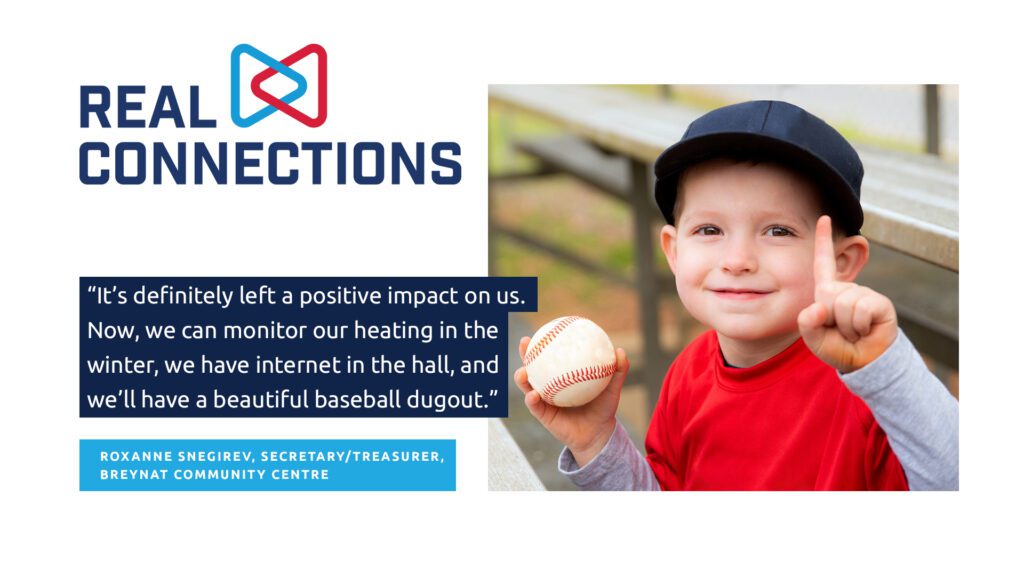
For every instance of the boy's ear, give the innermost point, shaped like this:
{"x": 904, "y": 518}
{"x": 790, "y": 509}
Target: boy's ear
{"x": 668, "y": 245}
{"x": 852, "y": 254}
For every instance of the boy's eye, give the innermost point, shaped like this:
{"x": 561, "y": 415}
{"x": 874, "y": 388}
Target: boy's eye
{"x": 707, "y": 230}
{"x": 779, "y": 231}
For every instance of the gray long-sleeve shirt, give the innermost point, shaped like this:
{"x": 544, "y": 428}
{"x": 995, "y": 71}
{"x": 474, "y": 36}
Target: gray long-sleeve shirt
{"x": 917, "y": 413}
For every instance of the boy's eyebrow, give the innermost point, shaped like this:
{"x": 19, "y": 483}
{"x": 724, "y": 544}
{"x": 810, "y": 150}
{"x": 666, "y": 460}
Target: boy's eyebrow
{"x": 760, "y": 215}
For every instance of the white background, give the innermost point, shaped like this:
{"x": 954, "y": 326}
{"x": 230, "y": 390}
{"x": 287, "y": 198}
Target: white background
{"x": 409, "y": 71}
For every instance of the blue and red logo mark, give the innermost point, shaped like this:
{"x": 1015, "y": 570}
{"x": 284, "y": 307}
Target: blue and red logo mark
{"x": 283, "y": 67}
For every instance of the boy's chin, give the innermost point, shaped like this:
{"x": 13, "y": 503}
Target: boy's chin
{"x": 740, "y": 331}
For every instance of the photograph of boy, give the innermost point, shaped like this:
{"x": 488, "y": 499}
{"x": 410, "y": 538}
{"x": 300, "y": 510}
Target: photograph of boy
{"x": 804, "y": 380}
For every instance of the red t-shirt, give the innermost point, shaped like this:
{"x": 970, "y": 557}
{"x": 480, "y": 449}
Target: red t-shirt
{"x": 788, "y": 423}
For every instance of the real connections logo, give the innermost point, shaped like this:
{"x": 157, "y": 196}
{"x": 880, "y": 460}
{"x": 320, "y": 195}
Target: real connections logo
{"x": 185, "y": 147}
{"x": 283, "y": 67}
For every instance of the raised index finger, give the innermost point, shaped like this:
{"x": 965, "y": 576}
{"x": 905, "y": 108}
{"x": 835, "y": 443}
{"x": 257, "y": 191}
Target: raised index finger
{"x": 824, "y": 252}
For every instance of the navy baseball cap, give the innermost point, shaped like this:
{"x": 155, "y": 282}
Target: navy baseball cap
{"x": 776, "y": 131}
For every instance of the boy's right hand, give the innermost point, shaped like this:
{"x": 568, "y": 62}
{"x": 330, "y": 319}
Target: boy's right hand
{"x": 584, "y": 430}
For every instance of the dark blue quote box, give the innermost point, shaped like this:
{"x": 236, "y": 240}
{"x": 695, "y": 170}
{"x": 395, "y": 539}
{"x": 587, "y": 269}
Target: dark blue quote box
{"x": 141, "y": 380}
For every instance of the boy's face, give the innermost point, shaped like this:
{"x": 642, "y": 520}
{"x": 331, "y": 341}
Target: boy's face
{"x": 742, "y": 250}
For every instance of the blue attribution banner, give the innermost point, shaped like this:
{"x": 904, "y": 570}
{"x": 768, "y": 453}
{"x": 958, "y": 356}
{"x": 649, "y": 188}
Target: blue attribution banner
{"x": 266, "y": 465}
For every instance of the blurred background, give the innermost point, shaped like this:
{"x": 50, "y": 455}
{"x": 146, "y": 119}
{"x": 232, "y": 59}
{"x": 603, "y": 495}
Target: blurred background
{"x": 571, "y": 202}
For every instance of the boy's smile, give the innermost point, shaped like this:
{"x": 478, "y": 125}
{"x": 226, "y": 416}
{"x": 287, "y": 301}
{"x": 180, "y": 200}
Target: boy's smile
{"x": 743, "y": 253}
{"x": 739, "y": 293}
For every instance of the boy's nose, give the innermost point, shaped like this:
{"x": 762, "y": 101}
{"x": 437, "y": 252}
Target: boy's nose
{"x": 739, "y": 257}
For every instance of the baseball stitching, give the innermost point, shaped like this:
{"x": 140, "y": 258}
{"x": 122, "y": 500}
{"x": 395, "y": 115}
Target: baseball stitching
{"x": 561, "y": 382}
{"x": 544, "y": 341}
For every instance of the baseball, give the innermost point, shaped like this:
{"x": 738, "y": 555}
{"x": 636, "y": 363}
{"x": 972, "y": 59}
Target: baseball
{"x": 570, "y": 361}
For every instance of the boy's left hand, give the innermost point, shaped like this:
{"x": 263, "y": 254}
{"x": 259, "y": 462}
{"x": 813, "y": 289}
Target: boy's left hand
{"x": 849, "y": 325}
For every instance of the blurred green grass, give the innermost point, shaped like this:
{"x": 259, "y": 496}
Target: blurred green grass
{"x": 504, "y": 127}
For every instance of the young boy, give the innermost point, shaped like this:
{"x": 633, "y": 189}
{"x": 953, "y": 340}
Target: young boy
{"x": 804, "y": 380}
